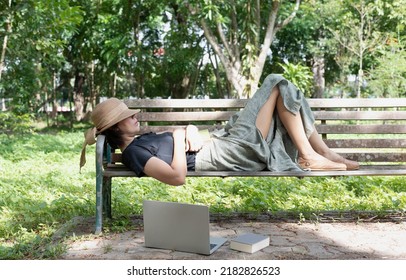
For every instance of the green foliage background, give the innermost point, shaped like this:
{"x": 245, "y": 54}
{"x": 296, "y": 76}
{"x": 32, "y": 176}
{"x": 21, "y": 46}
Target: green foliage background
{"x": 72, "y": 53}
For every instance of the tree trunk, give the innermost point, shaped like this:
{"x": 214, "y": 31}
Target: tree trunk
{"x": 245, "y": 86}
{"x": 4, "y": 48}
{"x": 180, "y": 90}
{"x": 231, "y": 62}
{"x": 78, "y": 96}
{"x": 54, "y": 99}
{"x": 272, "y": 29}
{"x": 215, "y": 65}
{"x": 318, "y": 76}
{"x": 360, "y": 79}
{"x": 92, "y": 86}
{"x": 113, "y": 85}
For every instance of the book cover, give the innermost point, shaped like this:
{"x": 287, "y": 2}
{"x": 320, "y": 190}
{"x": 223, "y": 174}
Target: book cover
{"x": 250, "y": 242}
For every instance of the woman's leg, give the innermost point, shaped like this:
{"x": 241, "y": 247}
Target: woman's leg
{"x": 320, "y": 147}
{"x": 308, "y": 157}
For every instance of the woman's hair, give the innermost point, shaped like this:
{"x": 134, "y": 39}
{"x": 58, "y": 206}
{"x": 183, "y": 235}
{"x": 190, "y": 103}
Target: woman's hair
{"x": 114, "y": 136}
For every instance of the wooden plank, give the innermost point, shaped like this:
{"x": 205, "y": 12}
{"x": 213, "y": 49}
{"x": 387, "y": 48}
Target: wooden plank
{"x": 184, "y": 116}
{"x": 375, "y": 171}
{"x": 366, "y": 143}
{"x": 357, "y": 102}
{"x": 322, "y": 129}
{"x": 185, "y": 103}
{"x": 365, "y": 172}
{"x": 239, "y": 103}
{"x": 362, "y": 157}
{"x": 361, "y": 129}
{"x": 360, "y": 115}
{"x": 364, "y": 166}
{"x": 162, "y": 128}
{"x": 225, "y": 115}
{"x": 375, "y": 157}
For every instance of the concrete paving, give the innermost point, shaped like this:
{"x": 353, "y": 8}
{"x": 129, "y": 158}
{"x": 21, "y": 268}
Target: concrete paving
{"x": 288, "y": 241}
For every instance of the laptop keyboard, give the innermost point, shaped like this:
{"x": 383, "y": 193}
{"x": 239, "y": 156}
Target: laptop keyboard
{"x": 212, "y": 246}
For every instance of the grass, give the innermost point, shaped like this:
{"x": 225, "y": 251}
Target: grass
{"x": 41, "y": 189}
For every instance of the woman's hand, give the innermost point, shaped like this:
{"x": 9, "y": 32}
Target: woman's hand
{"x": 194, "y": 141}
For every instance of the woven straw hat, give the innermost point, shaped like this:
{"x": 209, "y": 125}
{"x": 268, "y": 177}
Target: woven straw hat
{"x": 105, "y": 115}
{"x": 109, "y": 112}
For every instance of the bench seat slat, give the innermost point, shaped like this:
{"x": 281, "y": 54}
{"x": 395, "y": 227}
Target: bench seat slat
{"x": 225, "y": 115}
{"x": 185, "y": 103}
{"x": 361, "y": 157}
{"x": 375, "y": 157}
{"x": 360, "y": 115}
{"x": 357, "y": 102}
{"x": 185, "y": 116}
{"x": 321, "y": 128}
{"x": 366, "y": 143}
{"x": 370, "y": 157}
{"x": 163, "y": 128}
{"x": 240, "y": 103}
{"x": 364, "y": 171}
{"x": 361, "y": 129}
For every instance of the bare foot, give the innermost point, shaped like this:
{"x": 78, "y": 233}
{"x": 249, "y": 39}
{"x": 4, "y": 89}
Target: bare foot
{"x": 351, "y": 165}
{"x": 319, "y": 163}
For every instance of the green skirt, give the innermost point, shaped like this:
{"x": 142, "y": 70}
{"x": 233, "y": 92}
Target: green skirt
{"x": 240, "y": 146}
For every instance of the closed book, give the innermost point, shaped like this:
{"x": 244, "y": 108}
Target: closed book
{"x": 250, "y": 242}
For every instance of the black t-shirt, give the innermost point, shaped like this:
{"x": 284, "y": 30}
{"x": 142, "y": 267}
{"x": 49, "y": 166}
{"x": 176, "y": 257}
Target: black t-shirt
{"x": 148, "y": 145}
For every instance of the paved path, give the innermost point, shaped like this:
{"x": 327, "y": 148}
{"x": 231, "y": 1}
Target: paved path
{"x": 288, "y": 241}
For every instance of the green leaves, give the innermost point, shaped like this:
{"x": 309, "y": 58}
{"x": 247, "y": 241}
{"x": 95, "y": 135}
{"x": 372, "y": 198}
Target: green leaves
{"x": 301, "y": 76}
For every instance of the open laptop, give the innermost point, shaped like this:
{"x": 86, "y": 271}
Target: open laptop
{"x": 179, "y": 226}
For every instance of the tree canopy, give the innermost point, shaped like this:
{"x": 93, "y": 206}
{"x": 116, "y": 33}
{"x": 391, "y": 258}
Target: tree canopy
{"x": 70, "y": 53}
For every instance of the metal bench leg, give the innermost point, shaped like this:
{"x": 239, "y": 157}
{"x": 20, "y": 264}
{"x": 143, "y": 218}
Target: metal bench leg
{"x": 107, "y": 196}
{"x": 99, "y": 204}
{"x": 103, "y": 201}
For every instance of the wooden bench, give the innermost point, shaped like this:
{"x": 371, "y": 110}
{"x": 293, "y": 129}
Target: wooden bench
{"x": 371, "y": 131}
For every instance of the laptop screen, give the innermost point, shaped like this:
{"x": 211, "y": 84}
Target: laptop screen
{"x": 176, "y": 226}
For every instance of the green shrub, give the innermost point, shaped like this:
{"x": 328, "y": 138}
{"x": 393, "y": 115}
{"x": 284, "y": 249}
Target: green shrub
{"x": 15, "y": 123}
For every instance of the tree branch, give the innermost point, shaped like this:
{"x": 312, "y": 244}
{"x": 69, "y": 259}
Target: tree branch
{"x": 234, "y": 34}
{"x": 224, "y": 40}
{"x": 289, "y": 18}
{"x": 258, "y": 21}
{"x": 268, "y": 37}
{"x": 214, "y": 43}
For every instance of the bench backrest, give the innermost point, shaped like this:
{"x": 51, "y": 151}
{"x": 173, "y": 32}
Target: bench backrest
{"x": 366, "y": 130}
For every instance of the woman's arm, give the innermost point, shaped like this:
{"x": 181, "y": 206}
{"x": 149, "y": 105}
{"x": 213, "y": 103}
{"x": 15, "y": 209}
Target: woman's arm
{"x": 175, "y": 173}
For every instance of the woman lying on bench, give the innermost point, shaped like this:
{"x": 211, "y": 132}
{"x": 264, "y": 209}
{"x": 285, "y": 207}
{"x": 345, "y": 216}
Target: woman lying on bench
{"x": 275, "y": 131}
